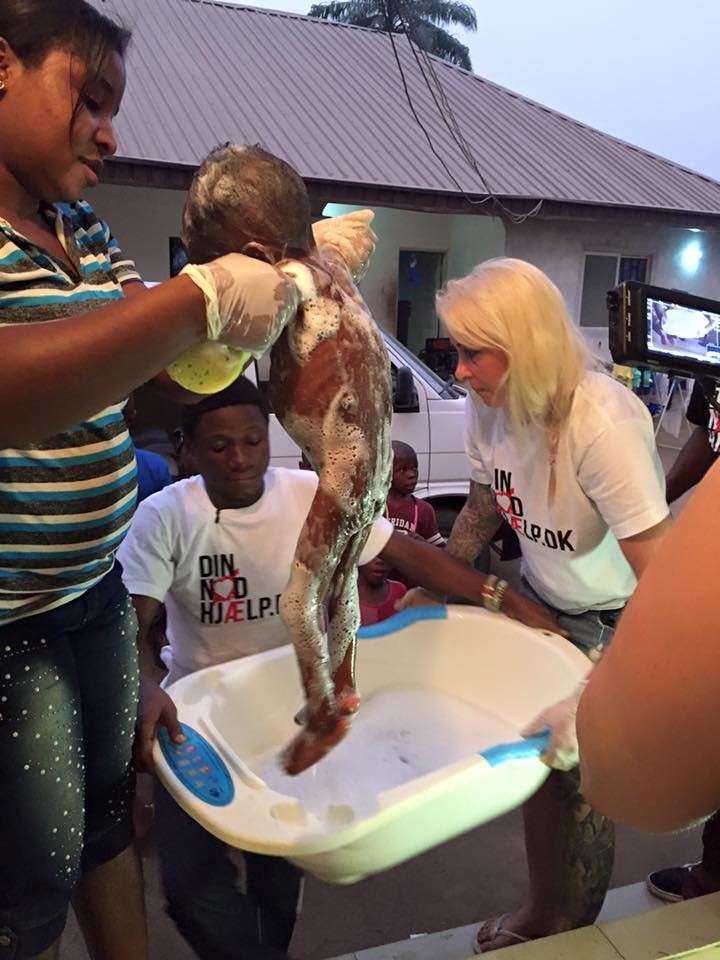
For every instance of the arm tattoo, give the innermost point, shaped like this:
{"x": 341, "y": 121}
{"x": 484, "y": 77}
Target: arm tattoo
{"x": 476, "y": 524}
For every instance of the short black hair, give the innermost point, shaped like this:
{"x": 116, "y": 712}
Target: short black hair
{"x": 403, "y": 450}
{"x": 240, "y": 393}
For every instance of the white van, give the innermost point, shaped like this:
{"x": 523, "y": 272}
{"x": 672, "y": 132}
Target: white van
{"x": 428, "y": 414}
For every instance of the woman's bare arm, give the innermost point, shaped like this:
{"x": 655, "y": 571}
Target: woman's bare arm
{"x": 649, "y": 722}
{"x": 56, "y": 373}
{"x": 640, "y": 549}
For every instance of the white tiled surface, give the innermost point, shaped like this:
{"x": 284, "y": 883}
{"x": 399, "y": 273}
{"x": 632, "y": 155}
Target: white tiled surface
{"x": 447, "y": 945}
{"x": 456, "y": 944}
{"x": 627, "y": 902}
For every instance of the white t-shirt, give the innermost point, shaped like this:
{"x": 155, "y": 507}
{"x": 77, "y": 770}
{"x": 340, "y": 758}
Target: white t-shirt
{"x": 221, "y": 576}
{"x": 609, "y": 486}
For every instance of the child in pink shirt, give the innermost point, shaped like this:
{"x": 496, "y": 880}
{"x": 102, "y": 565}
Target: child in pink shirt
{"x": 378, "y": 595}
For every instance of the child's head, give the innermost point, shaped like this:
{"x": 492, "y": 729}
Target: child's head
{"x": 405, "y": 468}
{"x": 245, "y": 200}
{"x": 374, "y": 573}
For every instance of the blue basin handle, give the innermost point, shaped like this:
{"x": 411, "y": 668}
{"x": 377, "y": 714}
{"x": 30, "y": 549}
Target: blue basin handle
{"x": 528, "y": 749}
{"x": 405, "y": 618}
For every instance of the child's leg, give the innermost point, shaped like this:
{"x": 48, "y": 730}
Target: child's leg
{"x": 321, "y": 541}
{"x": 343, "y": 626}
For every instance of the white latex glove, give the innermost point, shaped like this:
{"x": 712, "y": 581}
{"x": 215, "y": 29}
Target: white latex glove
{"x": 248, "y": 301}
{"x": 562, "y": 752}
{"x": 350, "y": 238}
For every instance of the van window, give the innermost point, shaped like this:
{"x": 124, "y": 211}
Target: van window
{"x": 262, "y": 375}
{"x": 448, "y": 391}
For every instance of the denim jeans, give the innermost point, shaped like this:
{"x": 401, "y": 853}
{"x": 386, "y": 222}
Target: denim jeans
{"x": 68, "y": 703}
{"x": 590, "y": 632}
{"x": 201, "y": 885}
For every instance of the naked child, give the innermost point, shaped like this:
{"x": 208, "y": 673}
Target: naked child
{"x": 330, "y": 388}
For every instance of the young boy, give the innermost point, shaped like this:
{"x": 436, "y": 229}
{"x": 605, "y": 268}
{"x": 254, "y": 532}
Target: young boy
{"x": 407, "y": 513}
{"x": 378, "y": 594}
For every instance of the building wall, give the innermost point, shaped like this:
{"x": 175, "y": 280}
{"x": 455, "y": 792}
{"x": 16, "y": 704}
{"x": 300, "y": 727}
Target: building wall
{"x": 466, "y": 240}
{"x": 143, "y": 220}
{"x": 472, "y": 240}
{"x": 558, "y": 247}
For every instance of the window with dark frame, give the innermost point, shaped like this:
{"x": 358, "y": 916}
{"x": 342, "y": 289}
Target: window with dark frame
{"x": 602, "y": 272}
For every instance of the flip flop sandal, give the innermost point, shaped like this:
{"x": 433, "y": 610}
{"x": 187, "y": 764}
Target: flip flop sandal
{"x": 498, "y": 930}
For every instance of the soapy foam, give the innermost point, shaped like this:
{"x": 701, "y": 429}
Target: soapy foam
{"x": 302, "y": 277}
{"x": 338, "y": 446}
{"x": 401, "y": 732}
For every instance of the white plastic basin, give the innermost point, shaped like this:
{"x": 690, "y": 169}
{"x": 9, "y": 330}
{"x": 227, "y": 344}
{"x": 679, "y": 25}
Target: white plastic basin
{"x": 434, "y": 751}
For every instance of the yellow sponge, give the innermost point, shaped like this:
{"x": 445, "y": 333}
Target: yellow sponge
{"x": 208, "y": 367}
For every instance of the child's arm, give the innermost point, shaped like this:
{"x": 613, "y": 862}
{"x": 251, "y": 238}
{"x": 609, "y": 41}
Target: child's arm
{"x": 348, "y": 238}
{"x": 428, "y": 525}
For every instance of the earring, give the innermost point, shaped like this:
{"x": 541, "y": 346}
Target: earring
{"x": 3, "y": 85}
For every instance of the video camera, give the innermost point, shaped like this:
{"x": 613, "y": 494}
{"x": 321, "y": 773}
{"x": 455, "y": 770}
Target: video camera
{"x": 666, "y": 330}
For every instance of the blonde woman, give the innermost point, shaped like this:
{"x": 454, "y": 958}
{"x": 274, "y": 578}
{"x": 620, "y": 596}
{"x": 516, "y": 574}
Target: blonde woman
{"x": 567, "y": 456}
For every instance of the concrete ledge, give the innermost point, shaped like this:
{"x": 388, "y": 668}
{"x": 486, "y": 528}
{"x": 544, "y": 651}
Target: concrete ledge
{"x": 632, "y": 926}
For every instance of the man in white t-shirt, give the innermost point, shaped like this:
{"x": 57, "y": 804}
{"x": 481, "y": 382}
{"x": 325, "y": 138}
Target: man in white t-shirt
{"x": 217, "y": 549}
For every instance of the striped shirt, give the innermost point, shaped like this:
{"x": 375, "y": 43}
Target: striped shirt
{"x": 66, "y": 502}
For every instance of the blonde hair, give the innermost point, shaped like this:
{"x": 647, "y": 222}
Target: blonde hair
{"x": 511, "y": 306}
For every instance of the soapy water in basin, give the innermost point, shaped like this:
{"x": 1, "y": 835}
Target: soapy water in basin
{"x": 400, "y": 733}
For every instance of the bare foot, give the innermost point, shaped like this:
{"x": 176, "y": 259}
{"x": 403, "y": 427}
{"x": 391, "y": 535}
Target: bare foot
{"x": 310, "y": 745}
{"x": 347, "y": 700}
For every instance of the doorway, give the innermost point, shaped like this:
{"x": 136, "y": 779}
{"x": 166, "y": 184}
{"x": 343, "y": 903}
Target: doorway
{"x": 421, "y": 273}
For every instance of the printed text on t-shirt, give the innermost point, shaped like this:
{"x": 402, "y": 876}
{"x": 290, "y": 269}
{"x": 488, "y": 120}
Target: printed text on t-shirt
{"x": 226, "y": 597}
{"x": 511, "y": 507}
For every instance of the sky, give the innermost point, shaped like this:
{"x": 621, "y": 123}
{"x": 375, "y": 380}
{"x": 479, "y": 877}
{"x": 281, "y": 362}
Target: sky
{"x": 647, "y": 71}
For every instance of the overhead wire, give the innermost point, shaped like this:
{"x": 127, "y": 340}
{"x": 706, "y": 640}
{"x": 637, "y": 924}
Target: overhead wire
{"x": 449, "y": 119}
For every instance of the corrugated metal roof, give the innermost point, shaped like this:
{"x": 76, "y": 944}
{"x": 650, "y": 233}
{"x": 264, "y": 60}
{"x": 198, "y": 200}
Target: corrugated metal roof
{"x": 328, "y": 98}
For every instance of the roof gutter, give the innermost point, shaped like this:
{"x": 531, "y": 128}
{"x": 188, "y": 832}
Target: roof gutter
{"x": 143, "y": 173}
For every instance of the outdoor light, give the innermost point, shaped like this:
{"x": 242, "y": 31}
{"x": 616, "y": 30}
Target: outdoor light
{"x": 690, "y": 256}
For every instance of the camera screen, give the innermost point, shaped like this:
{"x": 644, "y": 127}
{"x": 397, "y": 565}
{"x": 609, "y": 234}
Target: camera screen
{"x": 677, "y": 331}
